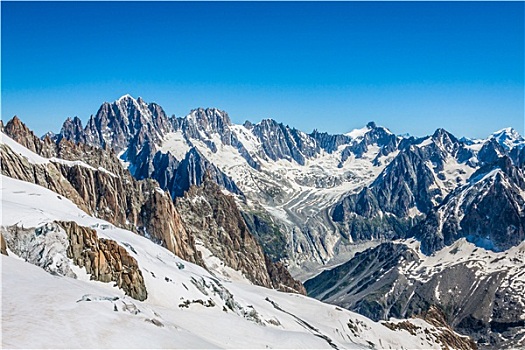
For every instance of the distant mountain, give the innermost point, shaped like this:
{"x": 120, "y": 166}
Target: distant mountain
{"x": 325, "y": 192}
{"x": 508, "y": 138}
{"x": 489, "y": 210}
{"x": 409, "y": 222}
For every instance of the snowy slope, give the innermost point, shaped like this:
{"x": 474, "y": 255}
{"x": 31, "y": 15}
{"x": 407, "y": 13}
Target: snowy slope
{"x": 186, "y": 306}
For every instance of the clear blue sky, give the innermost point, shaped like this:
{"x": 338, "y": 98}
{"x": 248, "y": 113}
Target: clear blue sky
{"x": 334, "y": 66}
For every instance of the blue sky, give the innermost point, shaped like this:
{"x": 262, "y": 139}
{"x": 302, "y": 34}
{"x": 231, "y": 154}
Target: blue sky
{"x": 410, "y": 66}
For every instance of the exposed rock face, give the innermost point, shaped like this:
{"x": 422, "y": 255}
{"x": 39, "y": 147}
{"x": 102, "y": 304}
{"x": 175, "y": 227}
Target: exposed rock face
{"x": 404, "y": 184}
{"x": 117, "y": 123}
{"x": 489, "y": 211}
{"x": 202, "y": 123}
{"x": 19, "y": 132}
{"x": 490, "y": 152}
{"x": 406, "y": 190}
{"x": 192, "y": 170}
{"x": 481, "y": 299}
{"x": 104, "y": 260}
{"x": 355, "y": 278}
{"x": 3, "y": 246}
{"x": 375, "y": 135}
{"x": 329, "y": 142}
{"x": 110, "y": 193}
{"x": 51, "y": 245}
{"x": 436, "y": 317}
{"x": 281, "y": 278}
{"x": 268, "y": 233}
{"x": 72, "y": 130}
{"x": 282, "y": 142}
{"x": 214, "y": 219}
{"x": 446, "y": 336}
{"x": 138, "y": 128}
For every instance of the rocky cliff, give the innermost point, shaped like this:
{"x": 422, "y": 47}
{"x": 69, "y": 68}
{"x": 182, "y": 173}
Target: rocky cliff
{"x": 104, "y": 260}
{"x": 214, "y": 219}
{"x": 113, "y": 195}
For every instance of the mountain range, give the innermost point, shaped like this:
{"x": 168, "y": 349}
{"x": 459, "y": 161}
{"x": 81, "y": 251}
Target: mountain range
{"x": 391, "y": 227}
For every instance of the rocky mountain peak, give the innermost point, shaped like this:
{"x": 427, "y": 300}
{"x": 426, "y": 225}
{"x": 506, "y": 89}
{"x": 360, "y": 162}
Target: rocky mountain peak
{"x": 445, "y": 139}
{"x": 206, "y": 120}
{"x": 214, "y": 219}
{"x": 282, "y": 142}
{"x": 116, "y": 124}
{"x": 72, "y": 130}
{"x": 491, "y": 151}
{"x": 19, "y": 132}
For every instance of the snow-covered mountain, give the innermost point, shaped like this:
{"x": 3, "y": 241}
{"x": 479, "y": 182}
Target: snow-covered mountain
{"x": 55, "y": 295}
{"x": 266, "y": 204}
{"x": 307, "y": 186}
{"x": 283, "y": 176}
{"x": 509, "y": 138}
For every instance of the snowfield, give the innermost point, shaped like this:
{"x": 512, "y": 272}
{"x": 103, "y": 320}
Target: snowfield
{"x": 187, "y": 306}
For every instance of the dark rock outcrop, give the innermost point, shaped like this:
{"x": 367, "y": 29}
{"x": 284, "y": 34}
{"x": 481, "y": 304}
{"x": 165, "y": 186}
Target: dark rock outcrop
{"x": 3, "y": 245}
{"x": 443, "y": 333}
{"x": 19, "y": 132}
{"x": 405, "y": 191}
{"x": 117, "y": 123}
{"x": 282, "y": 142}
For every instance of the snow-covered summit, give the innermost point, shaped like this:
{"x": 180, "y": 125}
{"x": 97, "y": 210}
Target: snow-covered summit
{"x": 359, "y": 133}
{"x": 508, "y": 138}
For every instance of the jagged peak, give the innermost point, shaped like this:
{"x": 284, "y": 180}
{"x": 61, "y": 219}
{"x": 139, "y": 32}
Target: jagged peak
{"x": 248, "y": 125}
{"x": 15, "y": 120}
{"x": 440, "y": 132}
{"x": 16, "y": 124}
{"x": 268, "y": 122}
{"x": 444, "y": 137}
{"x": 74, "y": 120}
{"x": 128, "y": 100}
{"x": 205, "y": 114}
{"x": 502, "y": 165}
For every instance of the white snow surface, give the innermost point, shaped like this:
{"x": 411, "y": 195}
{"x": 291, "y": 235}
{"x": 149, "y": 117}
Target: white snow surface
{"x": 175, "y": 143}
{"x": 508, "y": 138}
{"x": 41, "y": 310}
